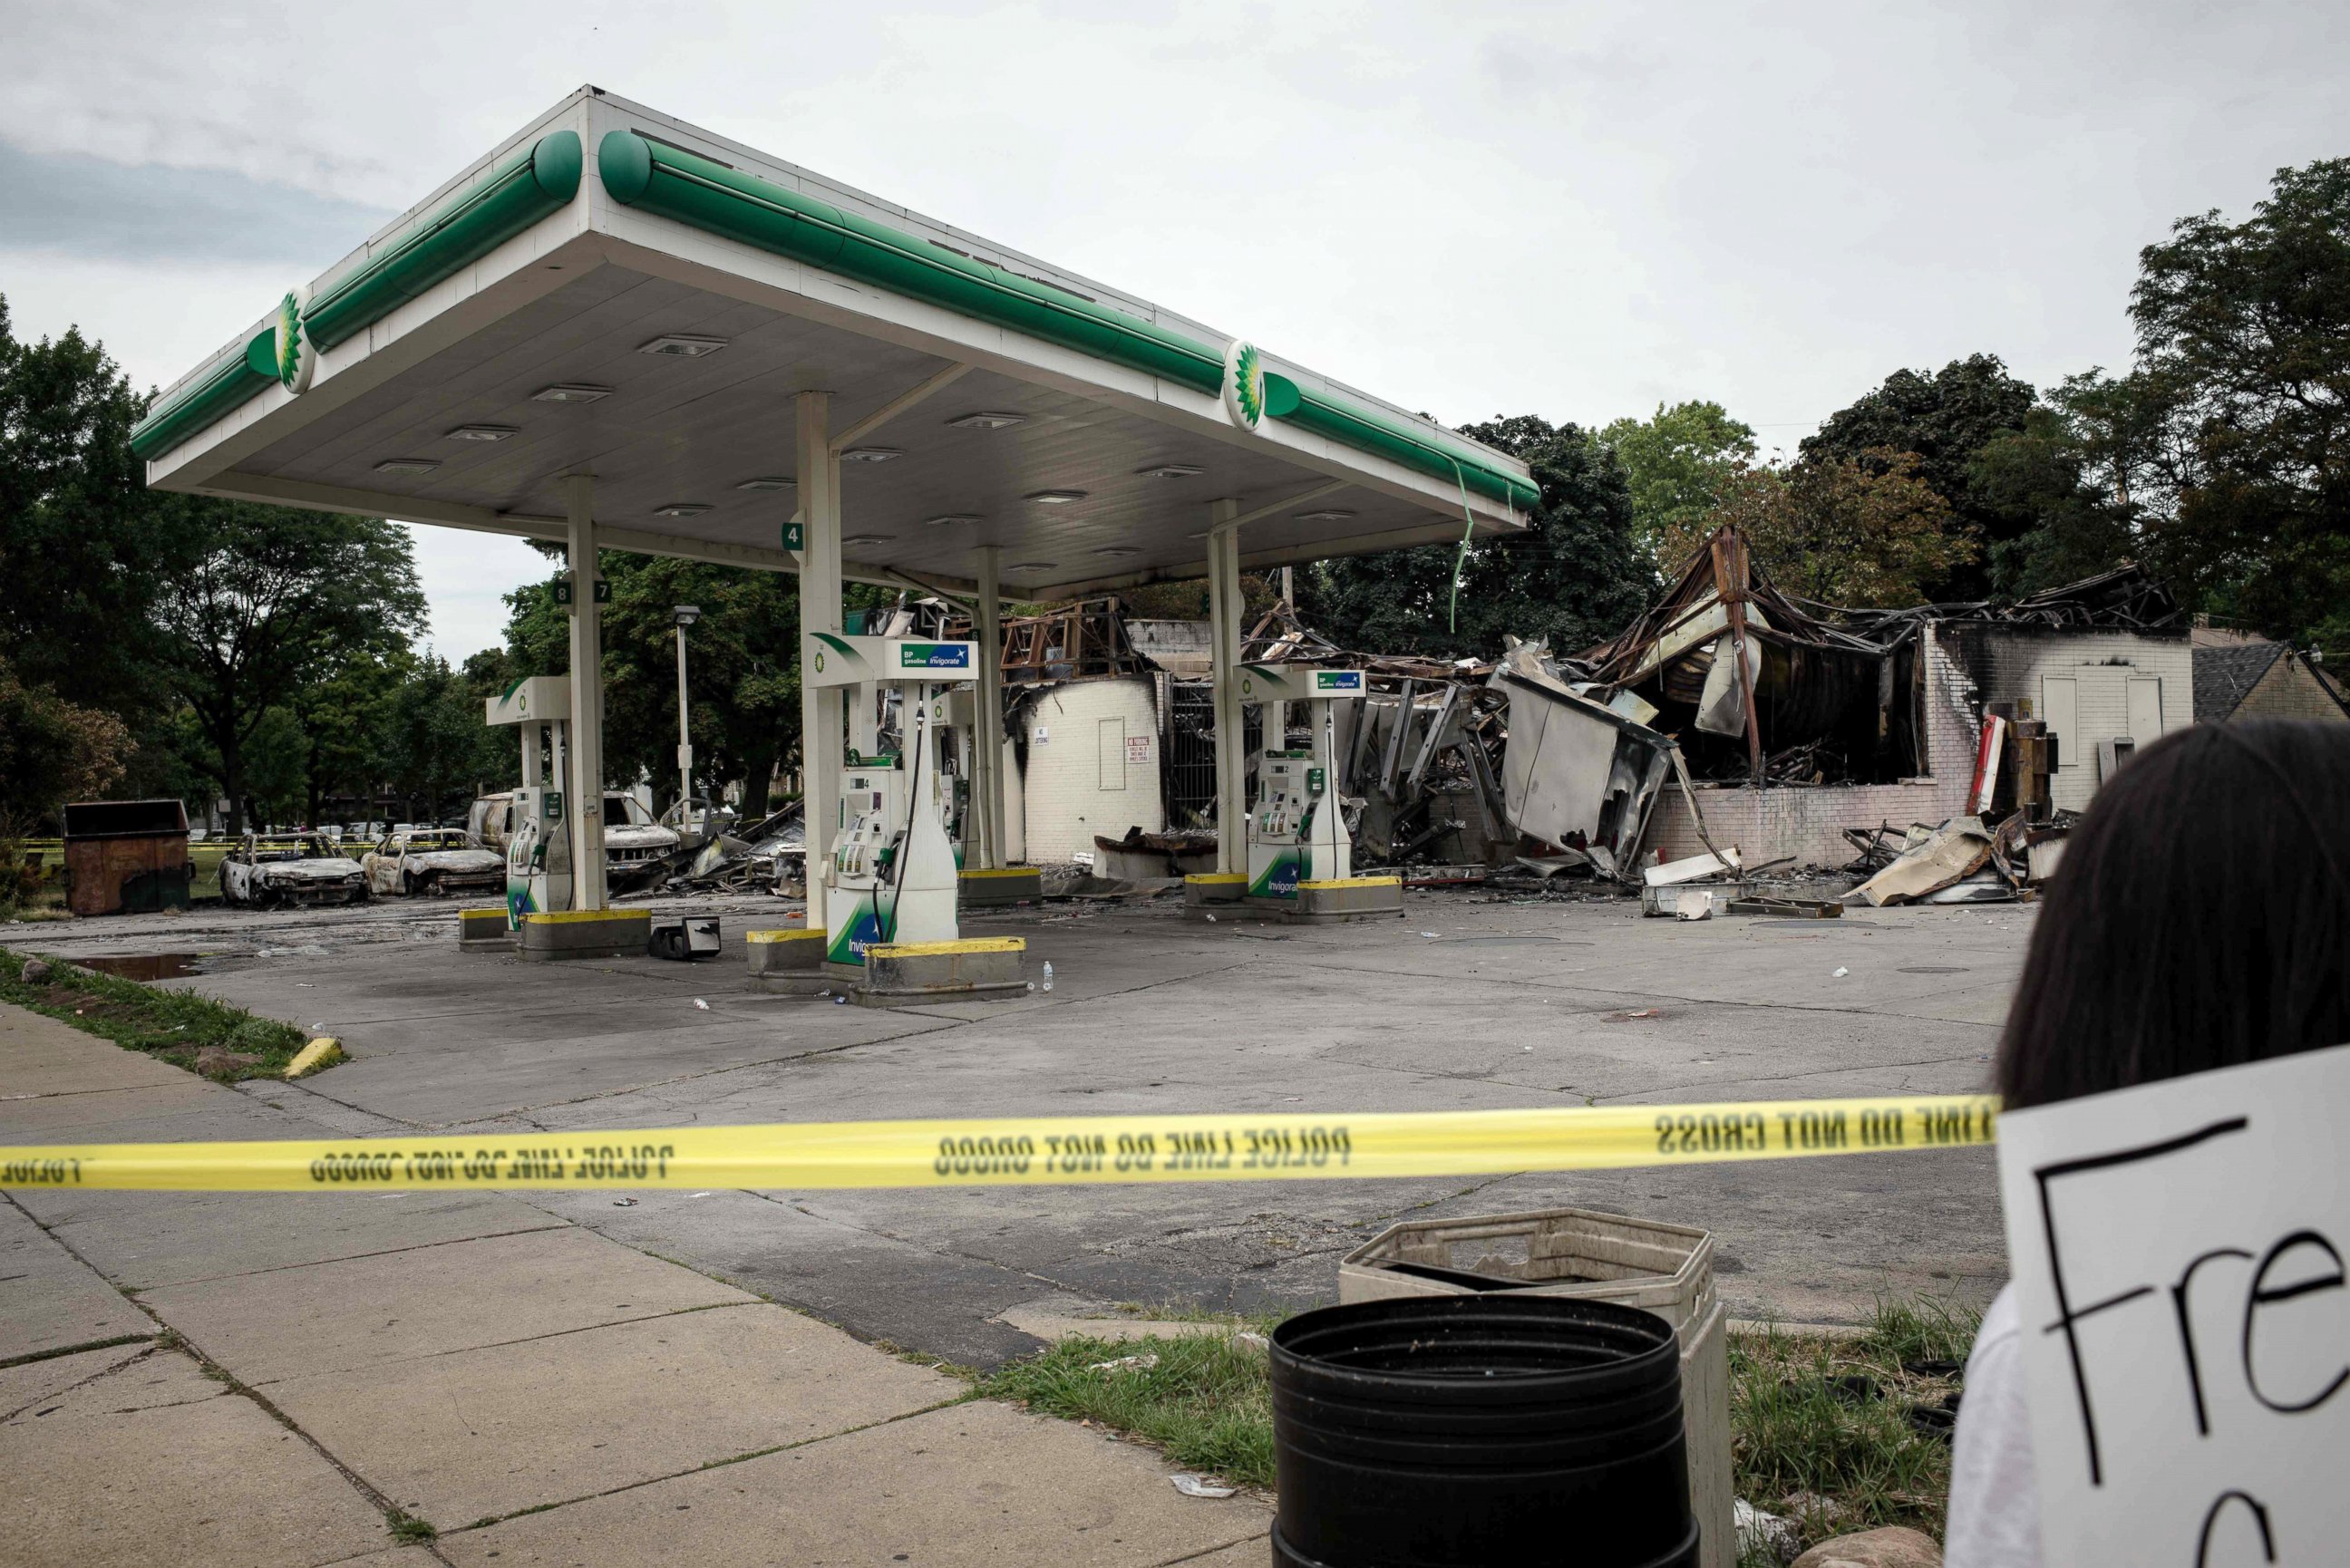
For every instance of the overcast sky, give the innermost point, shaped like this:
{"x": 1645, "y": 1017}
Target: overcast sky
{"x": 1571, "y": 210}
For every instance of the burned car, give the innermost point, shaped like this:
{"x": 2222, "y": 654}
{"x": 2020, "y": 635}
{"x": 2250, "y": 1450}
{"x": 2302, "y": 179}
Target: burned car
{"x": 266, "y": 873}
{"x": 433, "y": 860}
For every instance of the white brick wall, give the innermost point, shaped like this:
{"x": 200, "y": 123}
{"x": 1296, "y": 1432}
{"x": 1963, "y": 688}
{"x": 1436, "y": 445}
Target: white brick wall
{"x": 1071, "y": 790}
{"x": 1807, "y": 822}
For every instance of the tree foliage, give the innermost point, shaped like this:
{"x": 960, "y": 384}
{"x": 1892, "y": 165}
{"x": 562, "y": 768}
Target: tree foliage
{"x": 2243, "y": 380}
{"x": 1678, "y": 463}
{"x": 1862, "y": 531}
{"x": 51, "y": 752}
{"x": 1573, "y": 576}
{"x": 1945, "y": 418}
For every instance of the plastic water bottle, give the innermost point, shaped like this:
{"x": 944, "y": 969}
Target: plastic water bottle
{"x": 1048, "y": 974}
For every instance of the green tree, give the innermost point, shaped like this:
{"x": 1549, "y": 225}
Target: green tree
{"x": 82, "y": 552}
{"x": 1867, "y": 531}
{"x": 2243, "y": 370}
{"x": 436, "y": 730}
{"x": 1677, "y": 463}
{"x": 271, "y": 600}
{"x": 1573, "y": 576}
{"x": 51, "y": 752}
{"x": 1946, "y": 419}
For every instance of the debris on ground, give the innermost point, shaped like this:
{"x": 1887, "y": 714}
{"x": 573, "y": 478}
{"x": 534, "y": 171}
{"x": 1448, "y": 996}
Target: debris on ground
{"x": 35, "y": 971}
{"x": 1125, "y": 1364}
{"x": 218, "y": 1061}
{"x": 1190, "y": 1485}
{"x": 1929, "y": 863}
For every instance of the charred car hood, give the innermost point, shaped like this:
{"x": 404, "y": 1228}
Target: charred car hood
{"x": 458, "y": 860}
{"x": 328, "y": 870}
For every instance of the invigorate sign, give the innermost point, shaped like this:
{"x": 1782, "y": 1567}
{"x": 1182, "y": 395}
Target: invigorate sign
{"x": 2178, "y": 1251}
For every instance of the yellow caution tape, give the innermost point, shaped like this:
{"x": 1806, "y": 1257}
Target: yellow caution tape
{"x": 1026, "y": 1150}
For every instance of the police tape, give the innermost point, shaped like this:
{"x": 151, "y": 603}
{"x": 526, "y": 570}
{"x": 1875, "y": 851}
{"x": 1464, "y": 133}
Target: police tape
{"x": 1029, "y": 1150}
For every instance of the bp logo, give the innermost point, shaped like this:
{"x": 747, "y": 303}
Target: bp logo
{"x": 819, "y": 662}
{"x": 1243, "y": 384}
{"x": 296, "y": 359}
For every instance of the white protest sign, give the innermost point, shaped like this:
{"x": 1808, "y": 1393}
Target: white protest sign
{"x": 2178, "y": 1251}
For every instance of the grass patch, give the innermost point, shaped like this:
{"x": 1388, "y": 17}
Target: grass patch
{"x": 1820, "y": 1427}
{"x": 1207, "y": 1402}
{"x": 171, "y": 1025}
{"x": 408, "y": 1527}
{"x": 1822, "y": 1430}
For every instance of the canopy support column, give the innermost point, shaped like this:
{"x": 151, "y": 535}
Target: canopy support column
{"x": 586, "y": 773}
{"x": 823, "y": 709}
{"x": 987, "y": 748}
{"x": 1231, "y": 730}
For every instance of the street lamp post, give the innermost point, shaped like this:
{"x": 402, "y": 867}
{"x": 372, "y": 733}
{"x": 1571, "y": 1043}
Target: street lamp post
{"x": 686, "y": 615}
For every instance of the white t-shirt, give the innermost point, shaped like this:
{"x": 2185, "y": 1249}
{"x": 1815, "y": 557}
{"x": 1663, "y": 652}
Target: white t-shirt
{"x": 1994, "y": 1519}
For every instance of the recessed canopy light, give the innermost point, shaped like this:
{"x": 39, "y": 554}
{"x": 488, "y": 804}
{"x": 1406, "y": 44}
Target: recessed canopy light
{"x": 941, "y": 521}
{"x": 870, "y": 454}
{"x": 570, "y": 392}
{"x": 1055, "y": 497}
{"x": 677, "y": 345}
{"x": 774, "y": 483}
{"x": 866, "y": 538}
{"x": 480, "y": 432}
{"x": 1201, "y": 534}
{"x": 1172, "y": 471}
{"x": 681, "y": 509}
{"x": 987, "y": 420}
{"x": 1329, "y": 514}
{"x": 1032, "y": 565}
{"x": 1117, "y": 550}
{"x": 408, "y": 466}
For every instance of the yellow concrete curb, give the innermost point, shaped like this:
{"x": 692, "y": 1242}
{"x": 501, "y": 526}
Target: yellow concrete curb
{"x": 968, "y": 945}
{"x": 1218, "y": 876}
{"x": 499, "y": 910}
{"x": 1354, "y": 882}
{"x": 558, "y": 917}
{"x": 1007, "y": 871}
{"x": 813, "y": 933}
{"x": 316, "y": 1057}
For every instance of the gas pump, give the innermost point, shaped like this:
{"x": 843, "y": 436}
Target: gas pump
{"x": 891, "y": 875}
{"x": 539, "y": 855}
{"x": 1298, "y": 833}
{"x": 539, "y": 842}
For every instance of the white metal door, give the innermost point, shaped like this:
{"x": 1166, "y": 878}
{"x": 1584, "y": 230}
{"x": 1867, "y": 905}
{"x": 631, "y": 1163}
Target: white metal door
{"x": 2145, "y": 710}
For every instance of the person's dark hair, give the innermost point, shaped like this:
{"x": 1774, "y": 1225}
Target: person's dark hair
{"x": 2199, "y": 919}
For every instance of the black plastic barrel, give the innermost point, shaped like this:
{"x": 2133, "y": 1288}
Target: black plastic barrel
{"x": 1498, "y": 1430}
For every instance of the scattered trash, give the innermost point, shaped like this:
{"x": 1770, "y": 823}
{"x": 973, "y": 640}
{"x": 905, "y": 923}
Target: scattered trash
{"x": 1212, "y": 920}
{"x": 1126, "y": 1364}
{"x": 1939, "y": 1421}
{"x": 624, "y": 1203}
{"x": 1048, "y": 974}
{"x": 1840, "y": 974}
{"x": 1432, "y": 936}
{"x": 1200, "y": 1485}
{"x": 1797, "y": 909}
{"x": 1694, "y": 906}
{"x": 1690, "y": 869}
{"x": 1643, "y": 1012}
{"x": 35, "y": 971}
{"x": 1248, "y": 1339}
{"x": 1947, "y": 853}
{"x": 702, "y": 1004}
{"x": 843, "y": 1002}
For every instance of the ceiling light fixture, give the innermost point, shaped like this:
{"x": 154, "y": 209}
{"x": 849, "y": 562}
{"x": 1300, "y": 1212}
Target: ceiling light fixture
{"x": 953, "y": 517}
{"x": 1053, "y": 497}
{"x": 866, "y": 538}
{"x": 986, "y": 420}
{"x": 774, "y": 481}
{"x": 681, "y": 509}
{"x": 1329, "y": 514}
{"x": 1172, "y": 471}
{"x": 1117, "y": 550}
{"x": 408, "y": 466}
{"x": 570, "y": 392}
{"x": 1032, "y": 565}
{"x": 680, "y": 345}
{"x": 478, "y": 432}
{"x": 870, "y": 454}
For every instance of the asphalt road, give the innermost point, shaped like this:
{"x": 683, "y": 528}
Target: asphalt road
{"x": 1472, "y": 1001}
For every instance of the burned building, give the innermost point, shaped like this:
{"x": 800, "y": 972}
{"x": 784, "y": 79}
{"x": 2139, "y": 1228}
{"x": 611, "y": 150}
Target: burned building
{"x": 1833, "y": 717}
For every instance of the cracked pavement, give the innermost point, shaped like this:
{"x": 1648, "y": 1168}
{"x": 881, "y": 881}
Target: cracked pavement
{"x": 1471, "y": 1002}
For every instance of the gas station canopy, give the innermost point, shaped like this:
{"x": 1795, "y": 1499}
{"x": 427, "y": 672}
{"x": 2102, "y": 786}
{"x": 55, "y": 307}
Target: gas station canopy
{"x": 616, "y": 293}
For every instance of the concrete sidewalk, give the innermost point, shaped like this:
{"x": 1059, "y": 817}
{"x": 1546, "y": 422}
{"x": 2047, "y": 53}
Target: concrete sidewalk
{"x": 262, "y": 1379}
